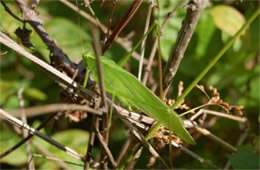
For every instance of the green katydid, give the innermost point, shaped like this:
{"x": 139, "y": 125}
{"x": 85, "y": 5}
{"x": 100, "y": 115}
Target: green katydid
{"x": 127, "y": 88}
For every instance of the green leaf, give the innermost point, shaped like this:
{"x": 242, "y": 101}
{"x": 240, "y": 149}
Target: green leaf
{"x": 70, "y": 37}
{"x": 8, "y": 139}
{"x": 203, "y": 35}
{"x": 7, "y": 89}
{"x": 227, "y": 19}
{"x": 126, "y": 86}
{"x": 73, "y": 138}
{"x": 34, "y": 93}
{"x": 244, "y": 159}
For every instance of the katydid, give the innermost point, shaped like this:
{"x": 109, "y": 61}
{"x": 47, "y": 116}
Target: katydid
{"x": 127, "y": 88}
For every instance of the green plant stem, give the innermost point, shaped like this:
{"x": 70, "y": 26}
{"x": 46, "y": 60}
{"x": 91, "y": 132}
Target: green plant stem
{"x": 127, "y": 56}
{"x": 207, "y": 68}
{"x": 86, "y": 78}
{"x": 111, "y": 110}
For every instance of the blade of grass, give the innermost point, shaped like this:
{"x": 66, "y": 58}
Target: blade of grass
{"x": 127, "y": 56}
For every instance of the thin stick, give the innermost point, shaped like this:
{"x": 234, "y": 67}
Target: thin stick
{"x": 134, "y": 159}
{"x": 195, "y": 108}
{"x": 216, "y": 139}
{"x": 123, "y": 22}
{"x": 48, "y": 155}
{"x": 30, "y": 162}
{"x": 110, "y": 19}
{"x": 160, "y": 64}
{"x": 154, "y": 48}
{"x": 103, "y": 96}
{"x": 198, "y": 158}
{"x": 52, "y": 108}
{"x": 194, "y": 11}
{"x": 105, "y": 146}
{"x": 10, "y": 12}
{"x": 4, "y": 154}
{"x": 225, "y": 115}
{"x": 124, "y": 59}
{"x": 96, "y": 40}
{"x": 59, "y": 161}
{"x": 91, "y": 142}
{"x": 19, "y": 123}
{"x": 148, "y": 18}
{"x": 123, "y": 150}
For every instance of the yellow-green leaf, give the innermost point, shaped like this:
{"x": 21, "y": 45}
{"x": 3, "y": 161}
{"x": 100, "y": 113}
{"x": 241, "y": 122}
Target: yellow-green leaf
{"x": 227, "y": 19}
{"x": 35, "y": 94}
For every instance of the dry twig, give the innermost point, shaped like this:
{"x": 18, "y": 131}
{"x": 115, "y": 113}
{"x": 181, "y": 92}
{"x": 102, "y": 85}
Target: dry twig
{"x": 21, "y": 124}
{"x": 59, "y": 58}
{"x": 194, "y": 10}
{"x": 52, "y": 108}
{"x": 30, "y": 162}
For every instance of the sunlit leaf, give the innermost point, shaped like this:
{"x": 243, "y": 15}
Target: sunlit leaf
{"x": 7, "y": 140}
{"x": 227, "y": 18}
{"x": 70, "y": 37}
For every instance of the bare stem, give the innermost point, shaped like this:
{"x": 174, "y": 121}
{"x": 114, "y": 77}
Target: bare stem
{"x": 121, "y": 41}
{"x": 25, "y": 132}
{"x": 216, "y": 139}
{"x": 148, "y": 18}
{"x": 155, "y": 45}
{"x": 123, "y": 22}
{"x": 194, "y": 10}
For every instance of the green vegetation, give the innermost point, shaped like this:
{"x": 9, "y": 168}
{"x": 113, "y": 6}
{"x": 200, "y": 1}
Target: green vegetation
{"x": 222, "y": 57}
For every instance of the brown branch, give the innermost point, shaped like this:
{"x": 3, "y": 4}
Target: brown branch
{"x": 59, "y": 58}
{"x": 137, "y": 155}
{"x": 124, "y": 150}
{"x": 194, "y": 10}
{"x": 100, "y": 69}
{"x": 123, "y": 42}
{"x": 110, "y": 18}
{"x": 51, "y": 108}
{"x": 10, "y": 12}
{"x": 90, "y": 143}
{"x": 105, "y": 146}
{"x": 123, "y": 22}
